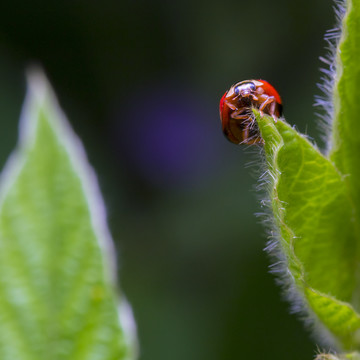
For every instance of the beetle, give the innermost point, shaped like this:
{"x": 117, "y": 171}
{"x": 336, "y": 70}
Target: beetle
{"x": 236, "y": 115}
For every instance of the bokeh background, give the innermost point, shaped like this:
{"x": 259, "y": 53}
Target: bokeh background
{"x": 140, "y": 82}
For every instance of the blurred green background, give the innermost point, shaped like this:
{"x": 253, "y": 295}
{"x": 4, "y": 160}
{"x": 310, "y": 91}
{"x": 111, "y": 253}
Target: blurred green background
{"x": 140, "y": 82}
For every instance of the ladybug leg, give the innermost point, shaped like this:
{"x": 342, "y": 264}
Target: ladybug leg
{"x": 237, "y": 114}
{"x": 239, "y": 117}
{"x": 269, "y": 100}
{"x": 231, "y": 106}
{"x": 272, "y": 111}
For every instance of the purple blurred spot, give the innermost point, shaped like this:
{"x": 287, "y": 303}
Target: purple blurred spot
{"x": 168, "y": 136}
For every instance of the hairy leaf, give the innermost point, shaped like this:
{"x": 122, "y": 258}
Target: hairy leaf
{"x": 314, "y": 214}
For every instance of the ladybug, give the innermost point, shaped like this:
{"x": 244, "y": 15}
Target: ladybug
{"x": 236, "y": 115}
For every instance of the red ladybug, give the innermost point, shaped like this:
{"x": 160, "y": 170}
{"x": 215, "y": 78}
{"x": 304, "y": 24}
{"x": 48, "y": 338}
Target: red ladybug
{"x": 237, "y": 119}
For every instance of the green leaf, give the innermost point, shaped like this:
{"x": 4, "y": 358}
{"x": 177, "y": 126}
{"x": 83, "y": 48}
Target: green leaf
{"x": 314, "y": 214}
{"x": 345, "y": 151}
{"x": 316, "y": 199}
{"x": 59, "y": 296}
